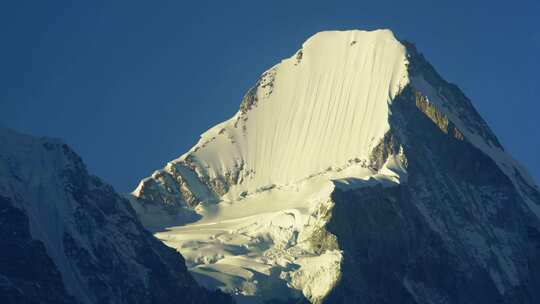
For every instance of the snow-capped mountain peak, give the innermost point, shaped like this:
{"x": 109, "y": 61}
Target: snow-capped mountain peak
{"x": 357, "y": 119}
{"x": 301, "y": 116}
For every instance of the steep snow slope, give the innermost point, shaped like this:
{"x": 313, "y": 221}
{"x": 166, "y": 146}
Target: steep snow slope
{"x": 299, "y": 118}
{"x": 293, "y": 131}
{"x": 69, "y": 238}
{"x": 345, "y": 115}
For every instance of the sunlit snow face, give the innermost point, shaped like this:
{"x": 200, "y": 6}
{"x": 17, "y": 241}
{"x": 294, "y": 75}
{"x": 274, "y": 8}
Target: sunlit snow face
{"x": 308, "y": 125}
{"x": 310, "y": 113}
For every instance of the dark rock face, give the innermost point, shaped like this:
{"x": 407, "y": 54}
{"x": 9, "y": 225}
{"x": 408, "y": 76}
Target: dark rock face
{"x": 27, "y": 273}
{"x": 93, "y": 248}
{"x": 457, "y": 231}
{"x": 456, "y": 99}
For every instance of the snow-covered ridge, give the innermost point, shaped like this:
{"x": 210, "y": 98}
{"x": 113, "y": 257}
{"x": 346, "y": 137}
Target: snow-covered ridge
{"x": 309, "y": 125}
{"x": 457, "y": 109}
{"x": 262, "y": 181}
{"x": 68, "y": 235}
{"x": 32, "y": 165}
{"x": 301, "y": 116}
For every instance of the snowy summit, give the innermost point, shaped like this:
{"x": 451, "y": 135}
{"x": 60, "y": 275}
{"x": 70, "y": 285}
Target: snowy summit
{"x": 353, "y": 117}
{"x": 302, "y": 114}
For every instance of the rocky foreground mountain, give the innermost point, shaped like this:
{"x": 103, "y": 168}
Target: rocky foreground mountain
{"x": 67, "y": 237}
{"x": 352, "y": 173}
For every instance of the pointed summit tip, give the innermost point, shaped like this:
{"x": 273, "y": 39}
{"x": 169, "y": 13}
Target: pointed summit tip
{"x": 352, "y": 36}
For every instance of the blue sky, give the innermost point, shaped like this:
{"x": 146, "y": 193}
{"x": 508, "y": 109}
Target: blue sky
{"x": 132, "y": 84}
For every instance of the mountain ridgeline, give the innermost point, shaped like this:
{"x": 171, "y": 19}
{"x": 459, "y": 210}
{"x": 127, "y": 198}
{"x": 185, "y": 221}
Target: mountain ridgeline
{"x": 67, "y": 237}
{"x": 460, "y": 230}
{"x": 352, "y": 173}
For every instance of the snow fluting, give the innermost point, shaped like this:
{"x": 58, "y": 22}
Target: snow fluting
{"x": 251, "y": 205}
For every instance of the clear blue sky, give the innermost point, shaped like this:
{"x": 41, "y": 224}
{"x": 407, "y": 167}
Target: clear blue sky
{"x": 132, "y": 84}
